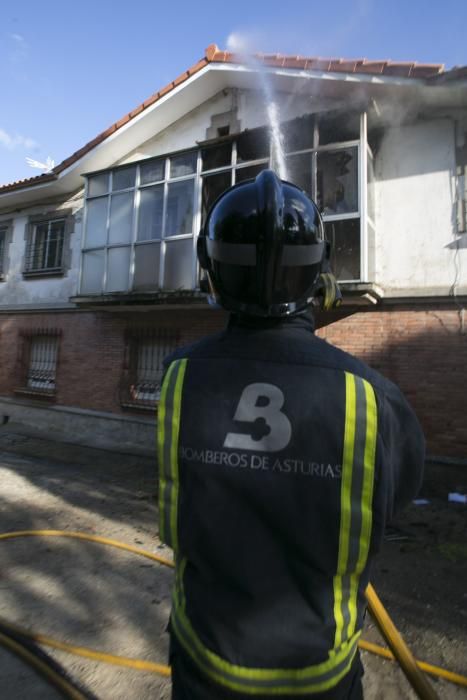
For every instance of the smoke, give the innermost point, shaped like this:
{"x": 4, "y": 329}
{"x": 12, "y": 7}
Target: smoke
{"x": 242, "y": 46}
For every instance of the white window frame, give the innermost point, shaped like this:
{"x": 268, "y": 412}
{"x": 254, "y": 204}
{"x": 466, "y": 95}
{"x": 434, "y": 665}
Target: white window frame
{"x": 362, "y": 148}
{"x": 31, "y": 247}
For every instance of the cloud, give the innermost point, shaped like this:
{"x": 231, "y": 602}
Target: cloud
{"x": 19, "y": 50}
{"x": 13, "y": 141}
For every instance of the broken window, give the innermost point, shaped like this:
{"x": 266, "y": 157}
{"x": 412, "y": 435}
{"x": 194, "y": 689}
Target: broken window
{"x": 337, "y": 181}
{"x": 338, "y": 127}
{"x": 142, "y": 219}
{"x": 344, "y": 237}
{"x": 298, "y": 134}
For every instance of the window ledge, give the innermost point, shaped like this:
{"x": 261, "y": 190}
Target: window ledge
{"x": 155, "y": 298}
{"x": 31, "y": 393}
{"x": 133, "y": 406}
{"x": 56, "y": 272}
{"x": 360, "y": 293}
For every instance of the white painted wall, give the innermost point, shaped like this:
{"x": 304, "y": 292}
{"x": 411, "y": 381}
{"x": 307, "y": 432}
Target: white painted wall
{"x": 251, "y": 112}
{"x": 415, "y": 220}
{"x": 16, "y": 290}
{"x": 415, "y": 194}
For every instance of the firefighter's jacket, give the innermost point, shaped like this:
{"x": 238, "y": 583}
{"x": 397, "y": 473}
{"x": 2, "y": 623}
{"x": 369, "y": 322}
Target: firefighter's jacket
{"x": 281, "y": 459}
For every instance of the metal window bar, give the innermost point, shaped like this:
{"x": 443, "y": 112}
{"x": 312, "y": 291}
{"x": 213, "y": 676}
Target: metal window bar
{"x": 45, "y": 247}
{"x": 148, "y": 349}
{"x": 42, "y": 367}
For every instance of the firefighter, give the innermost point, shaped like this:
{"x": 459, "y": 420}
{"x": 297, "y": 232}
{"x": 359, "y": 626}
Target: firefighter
{"x": 281, "y": 459}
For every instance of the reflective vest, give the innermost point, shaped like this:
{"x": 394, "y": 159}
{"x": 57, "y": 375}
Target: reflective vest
{"x": 267, "y": 465}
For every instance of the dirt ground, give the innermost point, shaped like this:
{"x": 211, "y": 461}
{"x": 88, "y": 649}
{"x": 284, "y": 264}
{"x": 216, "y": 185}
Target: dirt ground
{"x": 100, "y": 597}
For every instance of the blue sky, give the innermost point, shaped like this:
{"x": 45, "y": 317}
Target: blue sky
{"x": 68, "y": 70}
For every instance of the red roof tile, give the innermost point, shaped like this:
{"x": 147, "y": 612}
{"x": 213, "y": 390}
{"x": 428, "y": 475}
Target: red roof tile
{"x": 214, "y": 55}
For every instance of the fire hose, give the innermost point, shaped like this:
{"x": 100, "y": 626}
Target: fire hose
{"x": 13, "y": 636}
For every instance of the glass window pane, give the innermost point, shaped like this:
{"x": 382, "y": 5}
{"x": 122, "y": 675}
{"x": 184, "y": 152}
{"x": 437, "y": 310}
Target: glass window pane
{"x": 147, "y": 258}
{"x": 213, "y": 186}
{"x": 118, "y": 269}
{"x": 55, "y": 244}
{"x": 179, "y": 213}
{"x": 92, "y": 279}
{"x": 121, "y": 217}
{"x": 152, "y": 171}
{"x": 122, "y": 179}
{"x": 183, "y": 165}
{"x": 249, "y": 173}
{"x": 150, "y": 213}
{"x": 344, "y": 237}
{"x": 338, "y": 181}
{"x": 96, "y": 222}
{"x": 98, "y": 184}
{"x": 217, "y": 156}
{"x": 338, "y": 127}
{"x": 299, "y": 171}
{"x": 38, "y": 253}
{"x": 178, "y": 271}
{"x": 253, "y": 145}
{"x": 298, "y": 134}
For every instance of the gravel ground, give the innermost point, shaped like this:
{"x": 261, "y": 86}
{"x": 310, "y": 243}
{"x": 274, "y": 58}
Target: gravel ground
{"x": 91, "y": 595}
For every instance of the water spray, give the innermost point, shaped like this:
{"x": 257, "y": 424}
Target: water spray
{"x": 239, "y": 46}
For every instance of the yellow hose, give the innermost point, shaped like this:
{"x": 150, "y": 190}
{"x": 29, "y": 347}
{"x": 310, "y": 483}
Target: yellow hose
{"x": 375, "y": 606}
{"x": 399, "y": 648}
{"x": 90, "y": 538}
{"x": 94, "y": 654}
{"x": 435, "y": 671}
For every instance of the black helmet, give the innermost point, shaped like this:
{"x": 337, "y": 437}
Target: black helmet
{"x": 263, "y": 248}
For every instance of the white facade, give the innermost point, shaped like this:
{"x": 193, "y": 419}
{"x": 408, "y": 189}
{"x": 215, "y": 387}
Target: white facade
{"x": 415, "y": 247}
{"x": 416, "y": 227}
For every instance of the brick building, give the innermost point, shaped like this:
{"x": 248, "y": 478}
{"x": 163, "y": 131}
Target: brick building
{"x": 98, "y": 273}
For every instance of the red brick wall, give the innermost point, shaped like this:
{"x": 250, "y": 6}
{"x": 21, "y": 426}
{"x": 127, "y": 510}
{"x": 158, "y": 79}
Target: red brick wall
{"x": 421, "y": 347}
{"x": 91, "y": 351}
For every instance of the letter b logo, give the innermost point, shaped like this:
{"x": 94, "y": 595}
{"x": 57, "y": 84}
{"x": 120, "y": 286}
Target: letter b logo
{"x": 265, "y": 417}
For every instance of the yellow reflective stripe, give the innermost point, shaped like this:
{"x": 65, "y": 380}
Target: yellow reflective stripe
{"x": 366, "y": 499}
{"x": 174, "y": 454}
{"x": 168, "y": 436}
{"x": 368, "y": 479}
{"x": 312, "y": 679}
{"x": 358, "y": 465}
{"x": 346, "y": 486}
{"x": 160, "y": 451}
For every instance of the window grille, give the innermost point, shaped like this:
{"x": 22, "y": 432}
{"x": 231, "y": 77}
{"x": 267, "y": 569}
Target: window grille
{"x": 143, "y": 372}
{"x": 44, "y": 251}
{"x": 42, "y": 363}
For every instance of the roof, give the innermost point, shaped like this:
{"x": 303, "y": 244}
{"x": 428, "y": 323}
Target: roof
{"x": 405, "y": 69}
